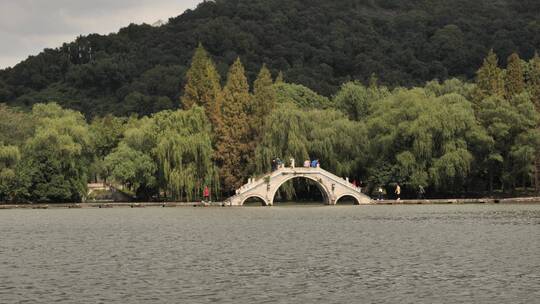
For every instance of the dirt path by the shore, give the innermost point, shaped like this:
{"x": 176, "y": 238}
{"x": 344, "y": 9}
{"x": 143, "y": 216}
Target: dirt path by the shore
{"x": 514, "y": 200}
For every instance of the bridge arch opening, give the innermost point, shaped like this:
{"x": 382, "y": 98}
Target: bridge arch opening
{"x": 253, "y": 201}
{"x": 302, "y": 190}
{"x": 347, "y": 200}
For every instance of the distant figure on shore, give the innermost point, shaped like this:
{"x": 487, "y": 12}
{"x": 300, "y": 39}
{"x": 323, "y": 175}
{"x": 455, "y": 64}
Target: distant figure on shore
{"x": 306, "y": 163}
{"x": 380, "y": 193}
{"x": 421, "y": 192}
{"x": 398, "y": 192}
{"x": 206, "y": 194}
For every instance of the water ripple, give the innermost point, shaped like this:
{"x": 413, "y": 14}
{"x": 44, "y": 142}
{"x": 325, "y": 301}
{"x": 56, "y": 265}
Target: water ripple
{"x": 374, "y": 254}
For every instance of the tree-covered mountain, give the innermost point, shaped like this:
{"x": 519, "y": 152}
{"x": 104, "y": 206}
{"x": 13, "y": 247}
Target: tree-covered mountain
{"x": 317, "y": 43}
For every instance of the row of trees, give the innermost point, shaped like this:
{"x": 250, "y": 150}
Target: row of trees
{"x": 452, "y": 137}
{"x": 319, "y": 44}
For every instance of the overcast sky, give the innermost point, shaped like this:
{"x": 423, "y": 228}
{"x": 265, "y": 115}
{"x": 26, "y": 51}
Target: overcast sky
{"x": 29, "y": 26}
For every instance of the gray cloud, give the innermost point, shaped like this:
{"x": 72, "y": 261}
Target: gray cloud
{"x": 29, "y": 26}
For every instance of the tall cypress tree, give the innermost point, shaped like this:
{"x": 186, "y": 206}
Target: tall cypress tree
{"x": 233, "y": 146}
{"x": 514, "y": 79}
{"x": 203, "y": 86}
{"x": 489, "y": 78}
{"x": 263, "y": 101}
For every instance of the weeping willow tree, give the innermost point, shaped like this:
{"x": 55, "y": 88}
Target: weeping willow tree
{"x": 327, "y": 135}
{"x": 9, "y": 157}
{"x": 184, "y": 152}
{"x": 54, "y": 161}
{"x": 285, "y": 137}
{"x": 300, "y": 95}
{"x": 170, "y": 153}
{"x": 418, "y": 138}
{"x": 450, "y": 86}
{"x": 513, "y": 126}
{"x": 356, "y": 100}
{"x": 134, "y": 169}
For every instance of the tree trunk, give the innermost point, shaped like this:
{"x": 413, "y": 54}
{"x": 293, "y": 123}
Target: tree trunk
{"x": 537, "y": 173}
{"x": 490, "y": 182}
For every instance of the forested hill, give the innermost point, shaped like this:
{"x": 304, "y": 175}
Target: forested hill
{"x": 318, "y": 43}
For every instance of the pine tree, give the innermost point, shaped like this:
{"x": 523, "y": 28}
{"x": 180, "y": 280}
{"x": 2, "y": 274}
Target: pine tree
{"x": 233, "y": 146}
{"x": 490, "y": 79}
{"x": 514, "y": 79}
{"x": 203, "y": 86}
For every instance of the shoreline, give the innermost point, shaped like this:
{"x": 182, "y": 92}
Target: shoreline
{"x": 89, "y": 205}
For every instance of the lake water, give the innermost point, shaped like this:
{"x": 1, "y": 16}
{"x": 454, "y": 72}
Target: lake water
{"x": 350, "y": 254}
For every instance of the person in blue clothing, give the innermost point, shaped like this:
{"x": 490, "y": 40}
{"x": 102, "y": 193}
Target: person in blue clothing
{"x": 314, "y": 163}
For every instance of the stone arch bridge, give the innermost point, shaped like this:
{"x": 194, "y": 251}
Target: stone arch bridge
{"x": 332, "y": 187}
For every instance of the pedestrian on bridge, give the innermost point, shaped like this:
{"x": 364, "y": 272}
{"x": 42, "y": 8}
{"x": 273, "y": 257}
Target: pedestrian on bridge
{"x": 292, "y": 162}
{"x": 306, "y": 163}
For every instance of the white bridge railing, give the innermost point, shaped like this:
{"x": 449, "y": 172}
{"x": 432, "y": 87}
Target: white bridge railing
{"x": 297, "y": 170}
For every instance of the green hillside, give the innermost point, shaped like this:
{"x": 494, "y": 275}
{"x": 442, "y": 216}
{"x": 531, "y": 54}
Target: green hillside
{"x": 316, "y": 43}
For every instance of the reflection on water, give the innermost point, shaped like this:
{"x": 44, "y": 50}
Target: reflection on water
{"x": 294, "y": 254}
